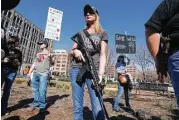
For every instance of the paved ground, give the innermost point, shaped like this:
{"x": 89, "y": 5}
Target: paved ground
{"x": 60, "y": 105}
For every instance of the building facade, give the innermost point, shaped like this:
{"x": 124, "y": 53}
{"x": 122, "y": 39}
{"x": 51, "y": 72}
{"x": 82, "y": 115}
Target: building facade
{"x": 29, "y": 34}
{"x": 111, "y": 74}
{"x": 131, "y": 69}
{"x": 62, "y": 63}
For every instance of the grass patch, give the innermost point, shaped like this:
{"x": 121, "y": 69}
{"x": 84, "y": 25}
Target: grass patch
{"x": 110, "y": 93}
{"x": 63, "y": 86}
{"x": 111, "y": 85}
{"x": 21, "y": 80}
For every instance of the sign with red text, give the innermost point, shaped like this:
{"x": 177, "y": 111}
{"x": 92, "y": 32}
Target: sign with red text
{"x": 53, "y": 25}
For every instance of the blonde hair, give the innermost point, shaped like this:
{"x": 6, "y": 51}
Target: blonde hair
{"x": 97, "y": 26}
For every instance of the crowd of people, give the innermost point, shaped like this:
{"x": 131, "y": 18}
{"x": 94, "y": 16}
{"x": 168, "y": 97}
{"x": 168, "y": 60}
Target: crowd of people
{"x": 95, "y": 39}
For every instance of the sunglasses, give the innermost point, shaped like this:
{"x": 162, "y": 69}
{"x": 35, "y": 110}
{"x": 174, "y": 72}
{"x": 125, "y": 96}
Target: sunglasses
{"x": 89, "y": 12}
{"x": 10, "y": 42}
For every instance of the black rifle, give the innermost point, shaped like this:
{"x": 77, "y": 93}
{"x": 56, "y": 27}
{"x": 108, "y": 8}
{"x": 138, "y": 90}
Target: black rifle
{"x": 90, "y": 67}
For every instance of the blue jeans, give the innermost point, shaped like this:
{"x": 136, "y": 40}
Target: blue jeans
{"x": 77, "y": 95}
{"x": 119, "y": 94}
{"x": 39, "y": 89}
{"x": 126, "y": 94}
{"x": 118, "y": 97}
{"x": 173, "y": 69}
{"x": 7, "y": 78}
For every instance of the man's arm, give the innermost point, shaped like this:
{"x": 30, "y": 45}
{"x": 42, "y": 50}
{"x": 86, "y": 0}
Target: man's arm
{"x": 153, "y": 40}
{"x": 32, "y": 68}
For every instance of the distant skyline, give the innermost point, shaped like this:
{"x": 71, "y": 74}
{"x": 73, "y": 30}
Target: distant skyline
{"x": 116, "y": 17}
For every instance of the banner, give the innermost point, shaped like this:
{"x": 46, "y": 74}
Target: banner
{"x": 125, "y": 44}
{"x": 53, "y": 26}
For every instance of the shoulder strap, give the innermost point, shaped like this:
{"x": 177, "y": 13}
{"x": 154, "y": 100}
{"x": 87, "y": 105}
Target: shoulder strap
{"x": 88, "y": 36}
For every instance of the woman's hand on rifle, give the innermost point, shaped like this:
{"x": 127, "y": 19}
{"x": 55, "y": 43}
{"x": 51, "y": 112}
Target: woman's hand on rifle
{"x": 78, "y": 55}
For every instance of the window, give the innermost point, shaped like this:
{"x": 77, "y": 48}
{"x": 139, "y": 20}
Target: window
{"x": 24, "y": 51}
{"x": 63, "y": 61}
{"x": 57, "y": 68}
{"x": 63, "y": 65}
{"x": 58, "y": 65}
{"x": 18, "y": 20}
{"x": 6, "y": 25}
{"x": 5, "y": 12}
{"x": 29, "y": 28}
{"x": 25, "y": 25}
{"x": 9, "y": 14}
{"x": 14, "y": 19}
{"x": 23, "y": 42}
{"x": 62, "y": 69}
{"x": 26, "y": 43}
{"x": 2, "y": 22}
{"x": 58, "y": 61}
{"x": 18, "y": 30}
{"x": 27, "y": 35}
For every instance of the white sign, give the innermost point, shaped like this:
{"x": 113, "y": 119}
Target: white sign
{"x": 53, "y": 26}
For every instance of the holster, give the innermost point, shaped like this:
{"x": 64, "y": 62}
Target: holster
{"x": 83, "y": 70}
{"x": 162, "y": 56}
{"x": 81, "y": 73}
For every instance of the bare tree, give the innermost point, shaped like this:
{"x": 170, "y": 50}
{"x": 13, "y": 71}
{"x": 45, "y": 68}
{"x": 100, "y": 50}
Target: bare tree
{"x": 110, "y": 60}
{"x": 144, "y": 61}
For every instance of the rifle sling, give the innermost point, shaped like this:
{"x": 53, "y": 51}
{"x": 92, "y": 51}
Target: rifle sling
{"x": 88, "y": 36}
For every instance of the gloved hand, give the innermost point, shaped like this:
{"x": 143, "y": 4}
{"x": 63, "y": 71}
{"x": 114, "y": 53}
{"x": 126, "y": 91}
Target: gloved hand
{"x": 78, "y": 54}
{"x": 101, "y": 78}
{"x": 6, "y": 60}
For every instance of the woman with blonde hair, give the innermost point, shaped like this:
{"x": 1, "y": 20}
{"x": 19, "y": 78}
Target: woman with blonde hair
{"x": 96, "y": 43}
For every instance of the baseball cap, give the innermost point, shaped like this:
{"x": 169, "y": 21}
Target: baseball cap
{"x": 88, "y": 8}
{"x": 42, "y": 42}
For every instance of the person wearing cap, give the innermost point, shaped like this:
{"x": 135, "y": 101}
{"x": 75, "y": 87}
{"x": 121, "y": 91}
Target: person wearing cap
{"x": 9, "y": 67}
{"x": 39, "y": 82}
{"x": 6, "y": 5}
{"x": 124, "y": 84}
{"x": 100, "y": 39}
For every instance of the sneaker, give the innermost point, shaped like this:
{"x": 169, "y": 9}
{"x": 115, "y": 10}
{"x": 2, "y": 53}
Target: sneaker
{"x": 5, "y": 114}
{"x": 42, "y": 110}
{"x": 32, "y": 108}
{"x": 128, "y": 106}
{"x": 118, "y": 110}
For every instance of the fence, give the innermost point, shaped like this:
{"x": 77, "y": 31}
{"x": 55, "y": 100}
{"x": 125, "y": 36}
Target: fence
{"x": 153, "y": 86}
